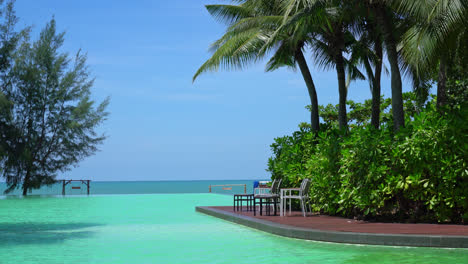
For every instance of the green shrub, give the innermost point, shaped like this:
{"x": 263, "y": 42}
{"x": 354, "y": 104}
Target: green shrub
{"x": 419, "y": 174}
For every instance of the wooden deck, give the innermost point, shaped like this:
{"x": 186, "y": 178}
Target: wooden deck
{"x": 339, "y": 224}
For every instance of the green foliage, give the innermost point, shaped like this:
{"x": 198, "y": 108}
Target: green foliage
{"x": 457, "y": 89}
{"x": 293, "y": 151}
{"x": 47, "y": 117}
{"x": 419, "y": 174}
{"x": 359, "y": 114}
{"x": 10, "y": 40}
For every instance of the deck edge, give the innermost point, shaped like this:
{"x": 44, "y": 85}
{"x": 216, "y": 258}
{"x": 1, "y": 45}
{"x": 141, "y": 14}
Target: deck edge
{"x": 440, "y": 241}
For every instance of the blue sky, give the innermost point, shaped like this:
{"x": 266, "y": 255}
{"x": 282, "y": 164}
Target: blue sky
{"x": 143, "y": 55}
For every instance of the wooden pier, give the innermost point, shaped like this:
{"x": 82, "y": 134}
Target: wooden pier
{"x": 227, "y": 187}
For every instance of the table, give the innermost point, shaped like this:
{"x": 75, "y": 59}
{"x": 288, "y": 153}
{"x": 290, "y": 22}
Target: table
{"x": 240, "y": 198}
{"x": 284, "y": 195}
{"x": 267, "y": 199}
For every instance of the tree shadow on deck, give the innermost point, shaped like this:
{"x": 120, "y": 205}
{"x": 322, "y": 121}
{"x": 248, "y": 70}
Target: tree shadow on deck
{"x": 42, "y": 233}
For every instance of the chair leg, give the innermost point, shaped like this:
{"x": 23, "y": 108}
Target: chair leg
{"x": 285, "y": 206}
{"x": 274, "y": 205}
{"x": 281, "y": 207}
{"x": 261, "y": 206}
{"x": 303, "y": 209}
{"x": 255, "y": 206}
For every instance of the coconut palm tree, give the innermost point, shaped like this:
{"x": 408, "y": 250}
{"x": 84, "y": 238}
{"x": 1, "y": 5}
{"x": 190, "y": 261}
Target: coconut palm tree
{"x": 367, "y": 51}
{"x": 330, "y": 40}
{"x": 248, "y": 39}
{"x": 387, "y": 21}
{"x": 435, "y": 38}
{"x": 368, "y": 54}
{"x": 329, "y": 48}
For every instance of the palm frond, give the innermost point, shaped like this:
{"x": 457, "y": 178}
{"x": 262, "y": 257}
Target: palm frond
{"x": 228, "y": 13}
{"x": 352, "y": 73}
{"x": 263, "y": 22}
{"x": 419, "y": 48}
{"x": 300, "y": 22}
{"x": 322, "y": 55}
{"x": 437, "y": 20}
{"x": 235, "y": 52}
{"x": 282, "y": 57}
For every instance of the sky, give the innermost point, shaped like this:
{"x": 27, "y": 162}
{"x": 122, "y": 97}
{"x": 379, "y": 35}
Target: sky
{"x": 162, "y": 126}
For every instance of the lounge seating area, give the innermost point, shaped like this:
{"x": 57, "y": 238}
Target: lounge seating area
{"x": 274, "y": 198}
{"x": 264, "y": 203}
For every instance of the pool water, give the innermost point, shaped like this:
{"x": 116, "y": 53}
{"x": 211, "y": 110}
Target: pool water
{"x": 164, "y": 228}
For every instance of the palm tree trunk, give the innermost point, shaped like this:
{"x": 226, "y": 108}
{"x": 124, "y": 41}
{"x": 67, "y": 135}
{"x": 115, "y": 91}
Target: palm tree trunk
{"x": 376, "y": 89}
{"x": 340, "y": 71}
{"x": 375, "y": 77}
{"x": 397, "y": 94}
{"x": 392, "y": 54}
{"x": 442, "y": 83}
{"x": 314, "y": 113}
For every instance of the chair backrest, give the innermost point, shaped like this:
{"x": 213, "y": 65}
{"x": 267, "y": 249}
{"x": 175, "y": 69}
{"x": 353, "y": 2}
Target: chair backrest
{"x": 305, "y": 187}
{"x": 275, "y": 186}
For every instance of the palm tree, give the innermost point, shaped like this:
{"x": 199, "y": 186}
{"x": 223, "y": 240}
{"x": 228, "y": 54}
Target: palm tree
{"x": 330, "y": 40}
{"x": 248, "y": 39}
{"x": 329, "y": 48}
{"x": 433, "y": 40}
{"x": 387, "y": 21}
{"x": 367, "y": 51}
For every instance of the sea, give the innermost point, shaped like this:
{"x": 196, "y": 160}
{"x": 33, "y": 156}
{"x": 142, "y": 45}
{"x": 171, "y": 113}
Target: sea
{"x": 140, "y": 187}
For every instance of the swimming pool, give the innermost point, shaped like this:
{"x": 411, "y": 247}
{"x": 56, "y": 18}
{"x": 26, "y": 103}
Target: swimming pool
{"x": 164, "y": 228}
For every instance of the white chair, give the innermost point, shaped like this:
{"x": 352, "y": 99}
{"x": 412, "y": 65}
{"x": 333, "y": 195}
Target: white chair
{"x": 302, "y": 195}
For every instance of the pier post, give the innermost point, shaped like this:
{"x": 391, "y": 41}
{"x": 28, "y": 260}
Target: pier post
{"x": 63, "y": 187}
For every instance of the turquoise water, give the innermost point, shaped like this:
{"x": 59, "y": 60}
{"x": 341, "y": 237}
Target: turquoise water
{"x": 164, "y": 228}
{"x": 140, "y": 187}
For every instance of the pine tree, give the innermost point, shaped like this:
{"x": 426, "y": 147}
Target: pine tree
{"x": 50, "y": 116}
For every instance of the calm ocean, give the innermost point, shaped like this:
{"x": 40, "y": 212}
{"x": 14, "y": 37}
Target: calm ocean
{"x": 140, "y": 187}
